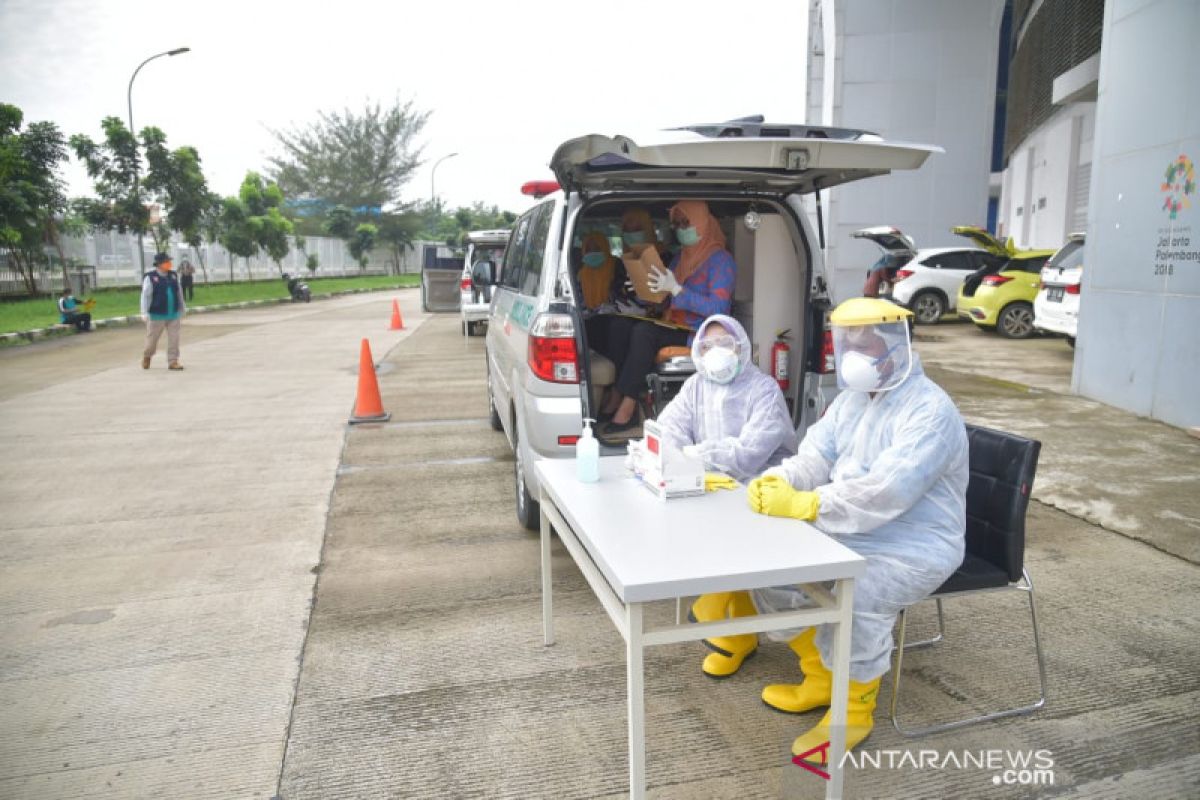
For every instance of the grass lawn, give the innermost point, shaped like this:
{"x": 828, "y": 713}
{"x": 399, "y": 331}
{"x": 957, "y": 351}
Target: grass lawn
{"x": 23, "y": 315}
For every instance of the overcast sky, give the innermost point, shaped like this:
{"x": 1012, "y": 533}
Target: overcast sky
{"x": 506, "y": 82}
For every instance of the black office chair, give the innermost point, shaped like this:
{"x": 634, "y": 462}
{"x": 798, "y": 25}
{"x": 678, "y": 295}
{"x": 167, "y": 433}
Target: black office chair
{"x": 1002, "y": 467}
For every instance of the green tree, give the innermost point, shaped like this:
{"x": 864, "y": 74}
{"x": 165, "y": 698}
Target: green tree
{"x": 112, "y": 166}
{"x": 398, "y": 232}
{"x": 340, "y": 222}
{"x": 262, "y": 201}
{"x": 237, "y": 231}
{"x": 362, "y": 243}
{"x": 174, "y": 178}
{"x": 355, "y": 159}
{"x": 31, "y": 191}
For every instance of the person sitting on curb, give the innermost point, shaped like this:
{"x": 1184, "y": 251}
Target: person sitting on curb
{"x": 162, "y": 307}
{"x": 68, "y": 313}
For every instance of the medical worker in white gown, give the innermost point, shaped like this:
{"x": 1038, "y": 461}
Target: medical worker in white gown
{"x": 885, "y": 473}
{"x": 733, "y": 417}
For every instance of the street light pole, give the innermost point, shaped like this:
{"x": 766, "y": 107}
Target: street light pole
{"x": 137, "y": 156}
{"x": 433, "y": 177}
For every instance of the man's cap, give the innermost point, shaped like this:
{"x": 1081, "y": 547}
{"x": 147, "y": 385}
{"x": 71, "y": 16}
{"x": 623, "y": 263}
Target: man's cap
{"x": 160, "y": 258}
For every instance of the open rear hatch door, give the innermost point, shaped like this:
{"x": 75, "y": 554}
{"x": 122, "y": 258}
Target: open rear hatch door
{"x": 892, "y": 240}
{"x": 808, "y": 160}
{"x": 985, "y": 240}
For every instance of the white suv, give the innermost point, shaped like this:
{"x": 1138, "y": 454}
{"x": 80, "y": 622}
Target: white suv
{"x": 542, "y": 378}
{"x": 1056, "y": 307}
{"x": 483, "y": 248}
{"x": 927, "y": 280}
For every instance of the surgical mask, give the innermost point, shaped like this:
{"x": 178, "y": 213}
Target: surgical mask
{"x": 634, "y": 237}
{"x": 593, "y": 260}
{"x": 721, "y": 364}
{"x": 687, "y": 236}
{"x": 860, "y": 372}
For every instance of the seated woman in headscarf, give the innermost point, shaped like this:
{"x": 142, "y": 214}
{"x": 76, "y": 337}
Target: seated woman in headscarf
{"x": 637, "y": 228}
{"x": 601, "y": 280}
{"x": 700, "y": 282}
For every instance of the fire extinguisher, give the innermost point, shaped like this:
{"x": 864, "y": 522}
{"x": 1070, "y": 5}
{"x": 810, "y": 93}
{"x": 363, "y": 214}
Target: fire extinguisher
{"x": 779, "y": 359}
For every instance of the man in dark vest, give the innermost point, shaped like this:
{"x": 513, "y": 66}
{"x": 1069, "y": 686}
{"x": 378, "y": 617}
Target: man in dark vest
{"x": 162, "y": 307}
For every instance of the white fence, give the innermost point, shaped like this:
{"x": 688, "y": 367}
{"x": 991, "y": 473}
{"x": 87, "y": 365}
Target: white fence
{"x": 114, "y": 257}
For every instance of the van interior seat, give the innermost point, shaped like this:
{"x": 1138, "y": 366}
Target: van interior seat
{"x": 673, "y": 351}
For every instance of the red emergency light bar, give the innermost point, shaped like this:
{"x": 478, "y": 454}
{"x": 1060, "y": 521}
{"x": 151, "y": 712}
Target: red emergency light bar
{"x": 539, "y": 189}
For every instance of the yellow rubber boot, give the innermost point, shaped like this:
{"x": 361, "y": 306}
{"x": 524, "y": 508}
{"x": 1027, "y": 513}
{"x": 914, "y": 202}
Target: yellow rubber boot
{"x": 730, "y": 651}
{"x": 709, "y": 607}
{"x": 817, "y": 688}
{"x": 860, "y": 719}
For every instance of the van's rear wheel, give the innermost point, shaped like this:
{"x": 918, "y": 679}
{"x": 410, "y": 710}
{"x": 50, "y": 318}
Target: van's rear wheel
{"x": 528, "y": 513}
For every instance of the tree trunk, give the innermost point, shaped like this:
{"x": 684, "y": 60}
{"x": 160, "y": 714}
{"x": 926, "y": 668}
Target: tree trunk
{"x": 200, "y": 258}
{"x": 232, "y": 258}
{"x": 52, "y": 232}
{"x": 25, "y": 270}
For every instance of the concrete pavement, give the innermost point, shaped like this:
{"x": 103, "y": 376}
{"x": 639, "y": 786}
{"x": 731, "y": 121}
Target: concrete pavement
{"x": 425, "y": 676}
{"x": 157, "y": 640}
{"x": 161, "y": 532}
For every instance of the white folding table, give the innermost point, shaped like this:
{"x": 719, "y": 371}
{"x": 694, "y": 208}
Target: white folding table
{"x": 635, "y": 549}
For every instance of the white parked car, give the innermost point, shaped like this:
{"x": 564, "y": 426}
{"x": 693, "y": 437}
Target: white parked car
{"x": 926, "y": 281}
{"x": 484, "y": 248}
{"x": 1056, "y": 308}
{"x": 542, "y": 376}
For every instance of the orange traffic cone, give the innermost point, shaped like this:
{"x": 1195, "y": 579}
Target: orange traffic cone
{"x": 369, "y": 405}
{"x": 397, "y": 322}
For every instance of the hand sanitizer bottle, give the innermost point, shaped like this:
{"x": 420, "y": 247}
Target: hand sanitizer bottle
{"x": 587, "y": 455}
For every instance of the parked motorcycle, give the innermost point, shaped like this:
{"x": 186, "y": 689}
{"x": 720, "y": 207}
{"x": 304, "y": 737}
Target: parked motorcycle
{"x": 297, "y": 289}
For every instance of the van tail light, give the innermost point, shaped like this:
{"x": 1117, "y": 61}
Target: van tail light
{"x": 996, "y": 280}
{"x": 465, "y": 285}
{"x": 828, "y": 362}
{"x": 1073, "y": 288}
{"x": 901, "y": 274}
{"x": 552, "y": 353}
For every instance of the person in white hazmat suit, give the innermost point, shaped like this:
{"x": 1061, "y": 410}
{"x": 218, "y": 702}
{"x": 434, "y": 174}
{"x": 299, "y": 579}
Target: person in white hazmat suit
{"x": 885, "y": 473}
{"x": 733, "y": 417}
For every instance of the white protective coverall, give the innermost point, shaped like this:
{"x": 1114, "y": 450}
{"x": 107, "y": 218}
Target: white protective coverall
{"x": 740, "y": 428}
{"x": 891, "y": 472}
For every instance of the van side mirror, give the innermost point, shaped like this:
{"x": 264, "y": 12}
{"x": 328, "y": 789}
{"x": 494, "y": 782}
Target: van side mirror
{"x": 484, "y": 273}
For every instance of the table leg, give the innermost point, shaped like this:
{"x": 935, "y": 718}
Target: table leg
{"x": 635, "y": 686}
{"x": 547, "y": 582}
{"x": 841, "y": 686}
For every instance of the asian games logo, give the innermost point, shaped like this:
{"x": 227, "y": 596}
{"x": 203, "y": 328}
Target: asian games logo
{"x": 1179, "y": 185}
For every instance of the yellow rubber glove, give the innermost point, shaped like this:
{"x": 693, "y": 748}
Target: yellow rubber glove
{"x": 775, "y": 497}
{"x": 714, "y": 481}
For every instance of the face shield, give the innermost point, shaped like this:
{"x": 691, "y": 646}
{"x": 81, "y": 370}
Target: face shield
{"x": 872, "y": 358}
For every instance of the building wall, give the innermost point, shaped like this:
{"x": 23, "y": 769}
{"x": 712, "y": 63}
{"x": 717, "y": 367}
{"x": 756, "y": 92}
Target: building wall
{"x": 909, "y": 70}
{"x": 1138, "y": 346}
{"x": 1045, "y": 185}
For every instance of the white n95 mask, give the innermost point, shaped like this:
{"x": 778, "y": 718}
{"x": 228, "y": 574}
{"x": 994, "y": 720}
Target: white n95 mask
{"x": 721, "y": 364}
{"x": 859, "y": 372}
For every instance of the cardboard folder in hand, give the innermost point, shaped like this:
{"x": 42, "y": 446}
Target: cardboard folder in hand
{"x": 639, "y": 263}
